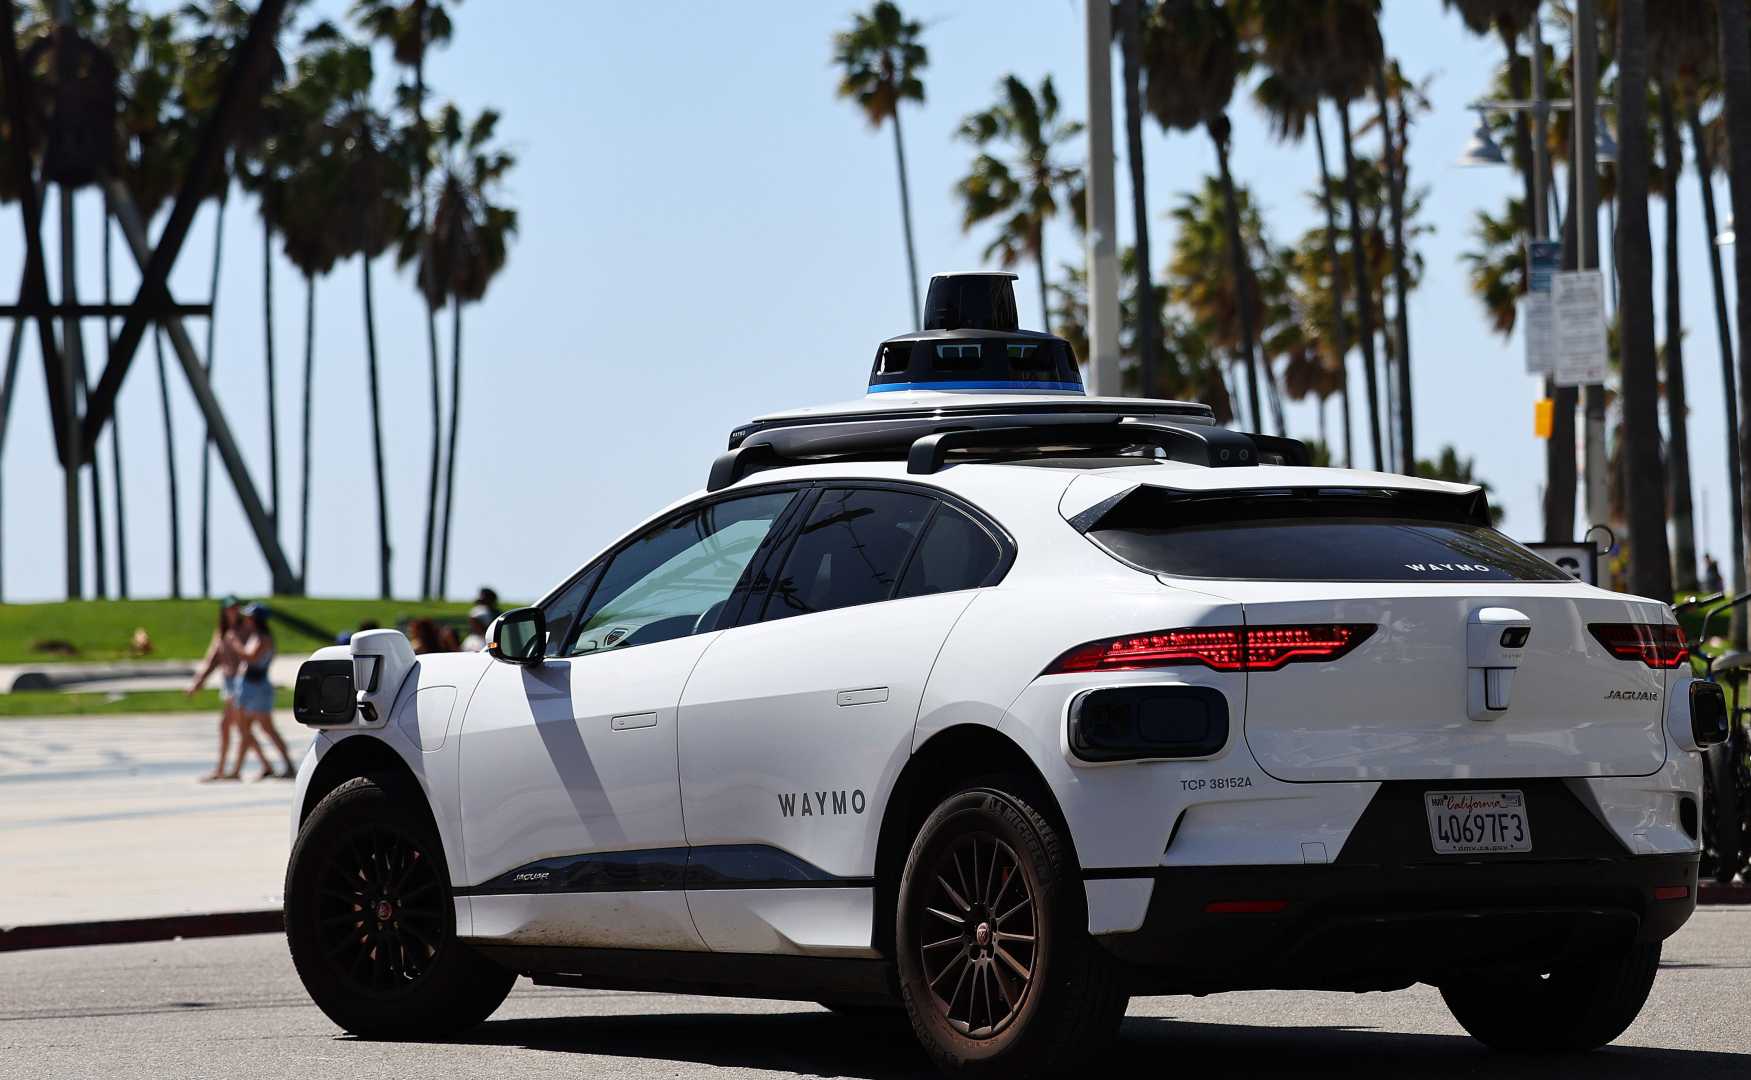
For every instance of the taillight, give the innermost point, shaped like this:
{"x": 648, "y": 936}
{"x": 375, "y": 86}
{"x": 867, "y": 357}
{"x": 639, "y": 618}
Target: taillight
{"x": 1656, "y": 645}
{"x": 1224, "y": 648}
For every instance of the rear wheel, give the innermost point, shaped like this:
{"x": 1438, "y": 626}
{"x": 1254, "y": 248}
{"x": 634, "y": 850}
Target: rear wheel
{"x": 371, "y": 922}
{"x": 1581, "y": 1005}
{"x": 997, "y": 969}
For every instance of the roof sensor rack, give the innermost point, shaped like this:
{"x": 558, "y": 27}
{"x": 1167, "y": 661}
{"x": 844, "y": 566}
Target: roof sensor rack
{"x": 925, "y": 443}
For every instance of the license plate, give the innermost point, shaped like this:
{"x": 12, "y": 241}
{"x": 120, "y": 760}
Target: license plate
{"x": 1478, "y": 822}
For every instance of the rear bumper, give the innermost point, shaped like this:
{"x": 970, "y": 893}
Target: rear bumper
{"x": 1376, "y": 927}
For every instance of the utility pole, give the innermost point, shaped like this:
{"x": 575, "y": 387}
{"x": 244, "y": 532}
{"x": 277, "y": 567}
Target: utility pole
{"x": 1103, "y": 259}
{"x": 1540, "y": 128}
{"x": 1586, "y": 30}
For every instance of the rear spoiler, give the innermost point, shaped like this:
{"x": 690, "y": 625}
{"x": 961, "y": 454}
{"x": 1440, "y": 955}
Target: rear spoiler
{"x": 1468, "y": 507}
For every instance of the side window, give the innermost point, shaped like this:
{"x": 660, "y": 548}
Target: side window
{"x": 955, "y": 554}
{"x": 562, "y": 610}
{"x": 673, "y": 581}
{"x": 851, "y": 551}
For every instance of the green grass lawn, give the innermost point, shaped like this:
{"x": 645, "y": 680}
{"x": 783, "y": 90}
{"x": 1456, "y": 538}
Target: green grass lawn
{"x": 180, "y": 629}
{"x": 145, "y": 701}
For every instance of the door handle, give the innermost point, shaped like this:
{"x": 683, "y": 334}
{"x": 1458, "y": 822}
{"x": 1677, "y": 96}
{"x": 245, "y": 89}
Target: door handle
{"x": 629, "y": 721}
{"x": 870, "y": 695}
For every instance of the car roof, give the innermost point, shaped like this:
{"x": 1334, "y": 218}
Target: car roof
{"x": 1158, "y": 473}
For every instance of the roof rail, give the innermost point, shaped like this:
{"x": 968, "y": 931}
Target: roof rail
{"x": 925, "y": 443}
{"x": 1215, "y": 447}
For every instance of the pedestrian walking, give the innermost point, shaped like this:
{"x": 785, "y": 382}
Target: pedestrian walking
{"x": 255, "y": 692}
{"x": 1711, "y": 575}
{"x": 224, "y": 660}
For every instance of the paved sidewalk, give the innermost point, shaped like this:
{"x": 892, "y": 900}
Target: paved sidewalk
{"x": 104, "y": 818}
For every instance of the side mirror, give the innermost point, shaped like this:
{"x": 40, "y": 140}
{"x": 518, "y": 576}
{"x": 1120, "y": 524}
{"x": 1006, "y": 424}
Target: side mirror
{"x": 518, "y": 637}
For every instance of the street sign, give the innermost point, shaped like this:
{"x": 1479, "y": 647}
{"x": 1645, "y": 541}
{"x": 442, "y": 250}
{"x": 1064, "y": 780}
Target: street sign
{"x": 1578, "y": 297}
{"x": 1538, "y": 326}
{"x": 1537, "y": 318}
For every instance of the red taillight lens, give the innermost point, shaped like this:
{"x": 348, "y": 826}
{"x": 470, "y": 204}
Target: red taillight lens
{"x": 1224, "y": 648}
{"x": 1658, "y": 646}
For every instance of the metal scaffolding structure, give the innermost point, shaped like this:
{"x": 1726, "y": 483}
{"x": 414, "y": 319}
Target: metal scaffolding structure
{"x": 76, "y": 156}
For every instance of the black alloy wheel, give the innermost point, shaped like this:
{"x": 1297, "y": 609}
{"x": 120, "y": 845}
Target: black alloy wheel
{"x": 378, "y": 911}
{"x": 371, "y": 919}
{"x": 985, "y": 935}
{"x": 996, "y": 967}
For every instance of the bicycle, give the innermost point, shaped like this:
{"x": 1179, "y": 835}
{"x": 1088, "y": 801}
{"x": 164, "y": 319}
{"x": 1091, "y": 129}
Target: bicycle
{"x": 1726, "y": 782}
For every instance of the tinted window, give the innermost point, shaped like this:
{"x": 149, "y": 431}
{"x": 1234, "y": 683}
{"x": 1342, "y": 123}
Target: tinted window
{"x": 673, "y": 581}
{"x": 1317, "y": 538}
{"x": 562, "y": 610}
{"x": 955, "y": 554}
{"x": 849, "y": 551}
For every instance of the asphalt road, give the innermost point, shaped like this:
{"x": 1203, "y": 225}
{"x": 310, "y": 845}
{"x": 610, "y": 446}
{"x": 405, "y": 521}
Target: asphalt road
{"x": 233, "y": 1008}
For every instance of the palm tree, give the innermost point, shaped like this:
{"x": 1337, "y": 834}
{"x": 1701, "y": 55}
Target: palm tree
{"x": 1392, "y": 87}
{"x": 1697, "y": 89}
{"x": 1129, "y": 27}
{"x": 1193, "y": 57}
{"x": 1498, "y": 265}
{"x": 366, "y": 215}
{"x": 465, "y": 250}
{"x": 1679, "y": 52}
{"x": 1025, "y": 190}
{"x": 1645, "y": 485}
{"x": 155, "y": 138}
{"x": 297, "y": 202}
{"x": 411, "y": 27}
{"x": 880, "y": 58}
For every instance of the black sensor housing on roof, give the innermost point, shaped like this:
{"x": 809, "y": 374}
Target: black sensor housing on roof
{"x": 972, "y": 340}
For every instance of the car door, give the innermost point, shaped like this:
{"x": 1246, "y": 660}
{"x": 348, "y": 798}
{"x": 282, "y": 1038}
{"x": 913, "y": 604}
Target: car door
{"x": 794, "y": 725}
{"x": 569, "y": 784}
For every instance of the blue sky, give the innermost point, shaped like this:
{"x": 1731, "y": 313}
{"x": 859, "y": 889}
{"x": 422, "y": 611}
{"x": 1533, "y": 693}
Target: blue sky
{"x": 709, "y": 234}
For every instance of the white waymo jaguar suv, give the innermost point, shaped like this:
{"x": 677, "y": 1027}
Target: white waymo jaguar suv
{"x": 998, "y": 704}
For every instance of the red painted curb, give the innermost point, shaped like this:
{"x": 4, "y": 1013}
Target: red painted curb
{"x": 124, "y": 931}
{"x": 1712, "y": 893}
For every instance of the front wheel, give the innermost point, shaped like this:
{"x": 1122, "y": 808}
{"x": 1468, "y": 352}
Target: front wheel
{"x": 371, "y": 922}
{"x": 997, "y": 969}
{"x": 1581, "y": 1005}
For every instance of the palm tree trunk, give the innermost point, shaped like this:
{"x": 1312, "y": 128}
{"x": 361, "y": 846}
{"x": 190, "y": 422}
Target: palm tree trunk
{"x": 1040, "y": 262}
{"x": 1736, "y": 75}
{"x": 267, "y": 299}
{"x": 1677, "y": 408}
{"x": 1724, "y": 331}
{"x": 115, "y": 427}
{"x": 1364, "y": 293}
{"x": 73, "y": 346}
{"x": 1560, "y": 466}
{"x": 1148, "y": 312}
{"x": 376, "y": 434}
{"x": 207, "y": 441}
{"x": 906, "y": 221}
{"x": 427, "y": 576}
{"x": 1650, "y": 561}
{"x": 304, "y": 437}
{"x": 1339, "y": 335}
{"x": 170, "y": 467}
{"x": 450, "y": 454}
{"x": 1242, "y": 272}
{"x": 1397, "y": 160}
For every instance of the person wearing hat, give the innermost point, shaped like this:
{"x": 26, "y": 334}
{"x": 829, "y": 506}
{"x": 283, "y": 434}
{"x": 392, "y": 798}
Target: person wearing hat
{"x": 255, "y": 694}
{"x": 224, "y": 659}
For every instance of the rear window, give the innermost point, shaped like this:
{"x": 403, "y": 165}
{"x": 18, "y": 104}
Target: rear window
{"x": 1387, "y": 536}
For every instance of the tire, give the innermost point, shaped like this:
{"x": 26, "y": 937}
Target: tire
{"x": 1060, "y": 995}
{"x": 1723, "y": 811}
{"x": 371, "y": 922}
{"x": 1580, "y": 1006}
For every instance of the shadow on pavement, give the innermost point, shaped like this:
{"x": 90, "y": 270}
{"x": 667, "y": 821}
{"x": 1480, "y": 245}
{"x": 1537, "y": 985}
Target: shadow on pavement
{"x": 821, "y": 1044}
